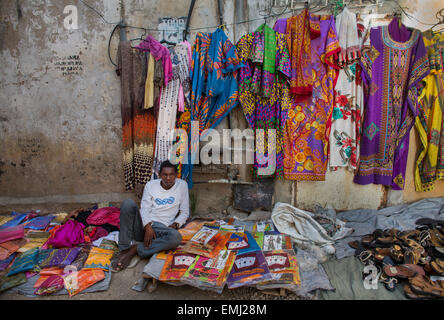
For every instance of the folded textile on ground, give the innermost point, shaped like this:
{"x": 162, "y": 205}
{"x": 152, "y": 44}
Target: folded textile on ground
{"x": 68, "y": 235}
{"x": 12, "y": 233}
{"x": 38, "y": 223}
{"x": 24, "y": 262}
{"x": 107, "y": 215}
{"x": 248, "y": 269}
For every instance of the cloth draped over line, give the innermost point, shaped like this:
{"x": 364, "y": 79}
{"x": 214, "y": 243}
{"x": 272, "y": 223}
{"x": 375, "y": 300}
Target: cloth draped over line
{"x": 265, "y": 109}
{"x": 348, "y": 105}
{"x": 307, "y": 127}
{"x": 214, "y": 89}
{"x": 138, "y": 124}
{"x": 169, "y": 100}
{"x": 429, "y": 122}
{"x": 393, "y": 66}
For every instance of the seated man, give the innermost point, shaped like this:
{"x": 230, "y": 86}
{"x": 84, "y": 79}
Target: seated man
{"x": 164, "y": 209}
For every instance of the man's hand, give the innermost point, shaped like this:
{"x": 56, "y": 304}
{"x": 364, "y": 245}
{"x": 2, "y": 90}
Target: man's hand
{"x": 149, "y": 235}
{"x": 175, "y": 225}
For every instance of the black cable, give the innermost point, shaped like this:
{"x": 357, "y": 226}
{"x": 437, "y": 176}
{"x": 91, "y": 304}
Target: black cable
{"x": 109, "y": 44}
{"x": 101, "y": 15}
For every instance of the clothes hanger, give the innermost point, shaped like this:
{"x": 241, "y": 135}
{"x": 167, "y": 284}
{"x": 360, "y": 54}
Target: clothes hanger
{"x": 166, "y": 41}
{"x": 440, "y": 16}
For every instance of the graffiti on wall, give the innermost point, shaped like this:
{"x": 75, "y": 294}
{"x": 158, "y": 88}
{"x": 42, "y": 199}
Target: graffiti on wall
{"x": 172, "y": 29}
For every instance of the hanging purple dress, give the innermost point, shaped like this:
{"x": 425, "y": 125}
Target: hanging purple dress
{"x": 396, "y": 60}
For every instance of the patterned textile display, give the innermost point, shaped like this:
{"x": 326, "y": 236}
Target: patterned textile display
{"x": 34, "y": 240}
{"x": 248, "y": 269}
{"x": 176, "y": 264}
{"x": 109, "y": 245}
{"x": 18, "y": 218}
{"x": 207, "y": 242}
{"x": 60, "y": 257}
{"x": 8, "y": 282}
{"x": 99, "y": 258}
{"x": 24, "y": 262}
{"x": 276, "y": 241}
{"x": 266, "y": 111}
{"x": 307, "y": 128}
{"x": 349, "y": 97}
{"x": 237, "y": 241}
{"x": 11, "y": 233}
{"x": 168, "y": 104}
{"x": 430, "y": 120}
{"x": 392, "y": 67}
{"x": 4, "y": 219}
{"x": 9, "y": 247}
{"x": 49, "y": 286}
{"x": 138, "y": 124}
{"x": 283, "y": 266}
{"x": 81, "y": 258}
{"x": 47, "y": 273}
{"x": 76, "y": 282}
{"x": 6, "y": 262}
{"x": 259, "y": 238}
{"x": 252, "y": 244}
{"x": 214, "y": 89}
{"x": 262, "y": 226}
{"x": 191, "y": 228}
{"x": 206, "y": 273}
{"x": 41, "y": 257}
{"x": 38, "y": 223}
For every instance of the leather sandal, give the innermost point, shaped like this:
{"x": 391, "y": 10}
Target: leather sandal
{"x": 396, "y": 253}
{"x": 390, "y": 283}
{"x": 424, "y": 286}
{"x": 419, "y": 270}
{"x": 430, "y": 222}
{"x": 400, "y": 271}
{"x": 408, "y": 292}
{"x": 435, "y": 238}
{"x": 438, "y": 266}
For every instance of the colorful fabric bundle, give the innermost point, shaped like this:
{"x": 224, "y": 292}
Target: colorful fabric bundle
{"x": 206, "y": 273}
{"x": 248, "y": 269}
{"x": 176, "y": 264}
{"x": 51, "y": 285}
{"x": 108, "y": 215}
{"x": 6, "y": 262}
{"x": 237, "y": 241}
{"x": 9, "y": 247}
{"x": 38, "y": 223}
{"x": 109, "y": 245}
{"x": 76, "y": 282}
{"x": 68, "y": 235}
{"x": 259, "y": 238}
{"x": 41, "y": 257}
{"x": 4, "y": 219}
{"x": 34, "y": 240}
{"x": 191, "y": 228}
{"x": 18, "y": 218}
{"x": 252, "y": 244}
{"x": 60, "y": 257}
{"x": 7, "y": 282}
{"x": 99, "y": 258}
{"x": 12, "y": 233}
{"x": 24, "y": 262}
{"x": 207, "y": 242}
{"x": 283, "y": 267}
{"x": 276, "y": 241}
{"x": 46, "y": 274}
{"x": 81, "y": 258}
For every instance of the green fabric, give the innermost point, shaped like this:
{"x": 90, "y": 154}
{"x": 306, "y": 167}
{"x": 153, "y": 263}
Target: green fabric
{"x": 345, "y": 276}
{"x": 270, "y": 48}
{"x": 12, "y": 281}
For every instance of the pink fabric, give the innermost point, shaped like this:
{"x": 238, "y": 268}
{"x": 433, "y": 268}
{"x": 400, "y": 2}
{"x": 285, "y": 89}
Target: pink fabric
{"x": 158, "y": 51}
{"x": 68, "y": 235}
{"x": 100, "y": 232}
{"x": 181, "y": 100}
{"x": 12, "y": 233}
{"x": 105, "y": 215}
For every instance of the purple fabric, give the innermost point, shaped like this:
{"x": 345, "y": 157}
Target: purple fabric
{"x": 281, "y": 26}
{"x": 68, "y": 235}
{"x": 61, "y": 257}
{"x": 391, "y": 69}
{"x": 12, "y": 233}
{"x": 39, "y": 223}
{"x": 159, "y": 52}
{"x": 5, "y": 263}
{"x": 110, "y": 215}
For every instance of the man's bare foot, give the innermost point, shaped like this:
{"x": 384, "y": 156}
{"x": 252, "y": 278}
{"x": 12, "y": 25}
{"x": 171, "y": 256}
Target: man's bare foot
{"x": 124, "y": 258}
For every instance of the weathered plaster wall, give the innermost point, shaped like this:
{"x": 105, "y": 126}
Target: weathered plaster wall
{"x": 60, "y": 135}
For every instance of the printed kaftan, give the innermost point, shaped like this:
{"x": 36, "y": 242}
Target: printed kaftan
{"x": 307, "y": 127}
{"x": 429, "y": 122}
{"x": 268, "y": 108}
{"x": 393, "y": 66}
{"x": 348, "y": 104}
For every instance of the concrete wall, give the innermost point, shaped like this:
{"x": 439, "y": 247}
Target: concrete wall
{"x": 60, "y": 130}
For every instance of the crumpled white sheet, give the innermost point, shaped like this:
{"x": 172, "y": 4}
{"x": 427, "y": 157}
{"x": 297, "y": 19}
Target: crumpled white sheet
{"x": 305, "y": 231}
{"x": 113, "y": 236}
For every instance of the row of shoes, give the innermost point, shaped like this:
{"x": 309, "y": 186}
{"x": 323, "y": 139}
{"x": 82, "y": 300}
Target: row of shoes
{"x": 413, "y": 257}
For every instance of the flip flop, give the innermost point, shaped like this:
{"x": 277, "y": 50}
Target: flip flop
{"x": 134, "y": 261}
{"x": 408, "y": 292}
{"x": 415, "y": 267}
{"x": 438, "y": 266}
{"x": 400, "y": 271}
{"x": 424, "y": 286}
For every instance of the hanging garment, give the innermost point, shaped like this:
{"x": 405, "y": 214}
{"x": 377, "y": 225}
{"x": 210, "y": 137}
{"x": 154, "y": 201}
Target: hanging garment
{"x": 349, "y": 99}
{"x": 301, "y": 30}
{"x": 138, "y": 124}
{"x": 214, "y": 89}
{"x": 307, "y": 128}
{"x": 68, "y": 235}
{"x": 149, "y": 83}
{"x": 395, "y": 63}
{"x": 169, "y": 104}
{"x": 264, "y": 96}
{"x": 430, "y": 120}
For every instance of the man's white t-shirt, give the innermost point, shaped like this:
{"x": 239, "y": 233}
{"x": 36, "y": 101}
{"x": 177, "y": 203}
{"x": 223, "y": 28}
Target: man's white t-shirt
{"x": 160, "y": 205}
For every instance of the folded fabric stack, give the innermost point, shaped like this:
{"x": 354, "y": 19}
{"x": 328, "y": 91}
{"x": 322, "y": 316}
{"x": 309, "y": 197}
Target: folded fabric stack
{"x": 414, "y": 258}
{"x": 57, "y": 250}
{"x": 214, "y": 254}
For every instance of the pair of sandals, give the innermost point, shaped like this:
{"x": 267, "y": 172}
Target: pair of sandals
{"x": 421, "y": 288}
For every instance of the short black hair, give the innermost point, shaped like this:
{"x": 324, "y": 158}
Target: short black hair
{"x": 167, "y": 164}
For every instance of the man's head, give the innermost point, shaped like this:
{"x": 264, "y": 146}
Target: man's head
{"x": 168, "y": 174}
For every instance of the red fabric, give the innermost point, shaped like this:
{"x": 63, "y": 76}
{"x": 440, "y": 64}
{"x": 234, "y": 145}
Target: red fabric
{"x": 12, "y": 233}
{"x": 110, "y": 215}
{"x": 100, "y": 232}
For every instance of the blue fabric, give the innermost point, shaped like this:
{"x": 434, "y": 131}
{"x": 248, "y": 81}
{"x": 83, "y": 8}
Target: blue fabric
{"x": 5, "y": 263}
{"x": 253, "y": 246}
{"x": 38, "y": 223}
{"x": 24, "y": 262}
{"x": 14, "y": 222}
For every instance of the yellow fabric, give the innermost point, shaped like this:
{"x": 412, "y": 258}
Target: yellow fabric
{"x": 428, "y": 124}
{"x": 149, "y": 84}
